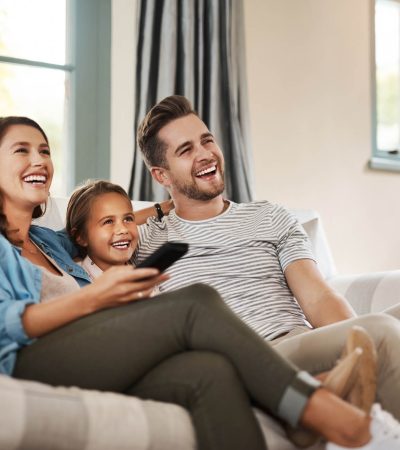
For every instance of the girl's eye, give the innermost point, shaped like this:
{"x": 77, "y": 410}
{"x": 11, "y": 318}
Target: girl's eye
{"x": 107, "y": 222}
{"x": 129, "y": 219}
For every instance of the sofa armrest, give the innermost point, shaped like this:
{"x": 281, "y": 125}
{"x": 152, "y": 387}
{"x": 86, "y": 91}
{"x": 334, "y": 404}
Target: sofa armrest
{"x": 369, "y": 292}
{"x": 38, "y": 416}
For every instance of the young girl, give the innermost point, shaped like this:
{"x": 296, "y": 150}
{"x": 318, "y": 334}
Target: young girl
{"x": 184, "y": 347}
{"x": 101, "y": 223}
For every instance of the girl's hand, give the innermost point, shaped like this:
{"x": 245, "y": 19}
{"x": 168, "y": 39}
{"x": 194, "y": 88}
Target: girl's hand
{"x": 122, "y": 284}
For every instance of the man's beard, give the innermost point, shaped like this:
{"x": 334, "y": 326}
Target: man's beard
{"x": 191, "y": 190}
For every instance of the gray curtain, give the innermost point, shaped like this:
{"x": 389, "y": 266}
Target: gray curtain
{"x": 195, "y": 48}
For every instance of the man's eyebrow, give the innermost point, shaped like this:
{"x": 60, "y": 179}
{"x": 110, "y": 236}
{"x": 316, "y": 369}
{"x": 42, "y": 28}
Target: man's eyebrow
{"x": 184, "y": 144}
{"x": 181, "y": 146}
{"x": 206, "y": 135}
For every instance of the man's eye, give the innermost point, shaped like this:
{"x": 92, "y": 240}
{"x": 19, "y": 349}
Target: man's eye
{"x": 208, "y": 140}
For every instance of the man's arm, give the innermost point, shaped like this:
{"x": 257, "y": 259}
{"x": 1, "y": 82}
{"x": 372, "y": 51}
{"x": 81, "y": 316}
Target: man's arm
{"x": 319, "y": 302}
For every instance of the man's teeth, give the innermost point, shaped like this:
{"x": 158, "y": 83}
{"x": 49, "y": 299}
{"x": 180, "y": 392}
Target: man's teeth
{"x": 35, "y": 179}
{"x": 205, "y": 171}
{"x": 121, "y": 244}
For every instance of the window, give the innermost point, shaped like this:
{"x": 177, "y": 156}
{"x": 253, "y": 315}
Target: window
{"x": 33, "y": 71}
{"x": 55, "y": 68}
{"x": 387, "y": 85}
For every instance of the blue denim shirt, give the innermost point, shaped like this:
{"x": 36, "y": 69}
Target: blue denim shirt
{"x": 21, "y": 284}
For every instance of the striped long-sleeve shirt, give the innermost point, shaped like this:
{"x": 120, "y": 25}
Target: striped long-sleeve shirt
{"x": 242, "y": 253}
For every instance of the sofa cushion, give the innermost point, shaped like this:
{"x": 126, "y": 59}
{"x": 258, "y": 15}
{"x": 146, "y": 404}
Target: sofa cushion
{"x": 35, "y": 416}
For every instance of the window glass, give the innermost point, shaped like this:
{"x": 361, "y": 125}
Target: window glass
{"x": 39, "y": 94}
{"x": 387, "y": 58}
{"x": 33, "y": 29}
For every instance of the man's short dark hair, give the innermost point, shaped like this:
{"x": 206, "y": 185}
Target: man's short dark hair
{"x": 164, "y": 112}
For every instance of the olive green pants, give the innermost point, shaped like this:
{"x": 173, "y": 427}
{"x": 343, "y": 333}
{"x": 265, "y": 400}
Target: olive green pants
{"x": 184, "y": 347}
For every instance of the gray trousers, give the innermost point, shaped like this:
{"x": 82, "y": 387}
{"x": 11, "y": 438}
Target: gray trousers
{"x": 318, "y": 350}
{"x": 184, "y": 347}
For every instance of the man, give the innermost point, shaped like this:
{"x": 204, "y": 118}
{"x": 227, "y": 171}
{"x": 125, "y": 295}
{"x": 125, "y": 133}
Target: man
{"x": 256, "y": 255}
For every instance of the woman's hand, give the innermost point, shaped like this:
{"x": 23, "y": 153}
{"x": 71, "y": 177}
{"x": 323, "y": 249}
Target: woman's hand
{"x": 116, "y": 286}
{"x": 122, "y": 284}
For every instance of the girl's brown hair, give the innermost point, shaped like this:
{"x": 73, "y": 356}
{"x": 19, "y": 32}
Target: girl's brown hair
{"x": 80, "y": 204}
{"x": 5, "y": 124}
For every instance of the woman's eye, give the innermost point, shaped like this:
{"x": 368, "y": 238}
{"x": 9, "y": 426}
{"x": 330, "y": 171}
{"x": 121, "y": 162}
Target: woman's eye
{"x": 21, "y": 150}
{"x": 46, "y": 151}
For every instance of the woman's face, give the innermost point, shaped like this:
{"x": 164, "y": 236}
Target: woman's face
{"x": 26, "y": 169}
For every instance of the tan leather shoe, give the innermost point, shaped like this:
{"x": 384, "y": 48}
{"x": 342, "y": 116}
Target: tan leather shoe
{"x": 353, "y": 378}
{"x": 363, "y": 392}
{"x": 341, "y": 380}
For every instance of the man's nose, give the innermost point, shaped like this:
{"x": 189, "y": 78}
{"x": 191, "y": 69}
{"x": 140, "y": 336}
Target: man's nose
{"x": 202, "y": 152}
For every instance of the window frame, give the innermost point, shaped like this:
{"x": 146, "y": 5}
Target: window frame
{"x": 380, "y": 160}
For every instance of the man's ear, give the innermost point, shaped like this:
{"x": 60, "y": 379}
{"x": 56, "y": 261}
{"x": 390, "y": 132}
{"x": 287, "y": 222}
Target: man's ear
{"x": 161, "y": 176}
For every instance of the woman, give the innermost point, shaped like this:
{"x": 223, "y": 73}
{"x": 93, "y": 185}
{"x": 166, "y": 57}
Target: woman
{"x": 184, "y": 347}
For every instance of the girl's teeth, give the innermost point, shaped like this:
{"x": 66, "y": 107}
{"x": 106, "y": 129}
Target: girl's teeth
{"x": 121, "y": 244}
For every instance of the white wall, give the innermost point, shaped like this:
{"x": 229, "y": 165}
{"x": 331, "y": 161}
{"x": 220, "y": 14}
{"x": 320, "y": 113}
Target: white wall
{"x": 123, "y": 54}
{"x": 310, "y": 104}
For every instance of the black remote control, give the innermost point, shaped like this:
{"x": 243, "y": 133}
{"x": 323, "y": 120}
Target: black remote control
{"x": 165, "y": 256}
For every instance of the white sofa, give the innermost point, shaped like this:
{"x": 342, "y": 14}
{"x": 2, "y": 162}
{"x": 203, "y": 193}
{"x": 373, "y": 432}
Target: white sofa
{"x": 35, "y": 416}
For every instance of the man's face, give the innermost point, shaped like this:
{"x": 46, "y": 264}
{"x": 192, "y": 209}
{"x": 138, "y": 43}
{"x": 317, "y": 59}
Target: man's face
{"x": 195, "y": 162}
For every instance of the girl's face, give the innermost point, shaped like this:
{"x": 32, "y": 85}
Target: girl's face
{"x": 26, "y": 168}
{"x": 111, "y": 232}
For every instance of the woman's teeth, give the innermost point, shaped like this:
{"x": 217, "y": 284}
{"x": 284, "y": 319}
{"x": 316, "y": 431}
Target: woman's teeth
{"x": 35, "y": 179}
